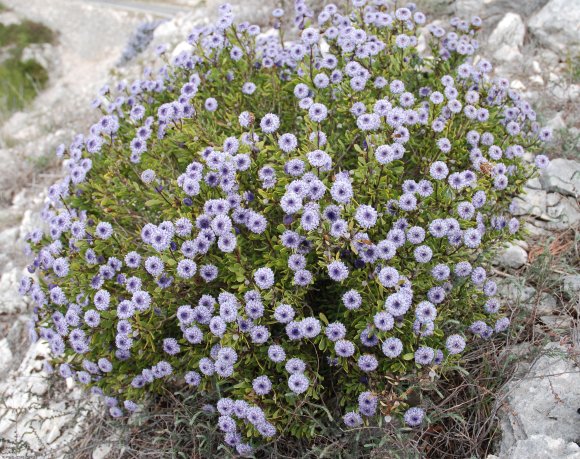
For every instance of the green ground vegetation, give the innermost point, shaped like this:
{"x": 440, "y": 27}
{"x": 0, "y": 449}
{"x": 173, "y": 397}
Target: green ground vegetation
{"x": 20, "y": 81}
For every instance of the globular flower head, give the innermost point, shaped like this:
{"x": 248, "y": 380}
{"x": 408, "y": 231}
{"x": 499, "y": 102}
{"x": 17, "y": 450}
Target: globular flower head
{"x": 414, "y": 416}
{"x": 455, "y": 344}
{"x": 337, "y": 271}
{"x": 262, "y": 385}
{"x": 352, "y": 419}
{"x": 298, "y": 383}
{"x": 264, "y": 278}
{"x": 270, "y": 123}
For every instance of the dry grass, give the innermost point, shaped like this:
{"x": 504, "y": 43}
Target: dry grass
{"x": 464, "y": 404}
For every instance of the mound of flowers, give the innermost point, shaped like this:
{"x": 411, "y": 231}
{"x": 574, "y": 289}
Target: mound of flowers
{"x": 300, "y": 227}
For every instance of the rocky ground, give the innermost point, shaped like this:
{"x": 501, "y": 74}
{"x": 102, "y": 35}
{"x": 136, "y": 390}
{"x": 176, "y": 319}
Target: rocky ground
{"x": 534, "y": 43}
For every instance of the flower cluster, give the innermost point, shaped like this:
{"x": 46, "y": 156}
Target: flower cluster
{"x": 289, "y": 221}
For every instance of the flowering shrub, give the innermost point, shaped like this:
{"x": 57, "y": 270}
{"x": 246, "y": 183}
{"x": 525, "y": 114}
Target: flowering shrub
{"x": 138, "y": 41}
{"x": 293, "y": 226}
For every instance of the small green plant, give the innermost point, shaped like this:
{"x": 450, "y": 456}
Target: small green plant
{"x": 298, "y": 228}
{"x": 25, "y": 33}
{"x": 20, "y": 81}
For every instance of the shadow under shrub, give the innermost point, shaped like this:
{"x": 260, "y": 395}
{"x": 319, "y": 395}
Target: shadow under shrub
{"x": 464, "y": 415}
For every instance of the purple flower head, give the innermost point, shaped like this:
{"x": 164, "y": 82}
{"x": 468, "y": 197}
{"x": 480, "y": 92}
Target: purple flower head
{"x": 298, "y": 383}
{"x": 424, "y": 355}
{"x": 317, "y": 112}
{"x": 425, "y": 312}
{"x": 270, "y": 123}
{"x": 439, "y": 170}
{"x": 352, "y": 299}
{"x": 104, "y": 230}
{"x": 388, "y": 277}
{"x": 414, "y": 416}
{"x": 276, "y": 353}
{"x": 366, "y": 216}
{"x": 455, "y": 344}
{"x": 264, "y": 278}
{"x": 262, "y": 385}
{"x": 423, "y": 254}
{"x": 337, "y": 271}
{"x": 352, "y": 419}
{"x": 344, "y": 348}
{"x": 367, "y": 363}
{"x": 170, "y": 346}
{"x": 392, "y": 347}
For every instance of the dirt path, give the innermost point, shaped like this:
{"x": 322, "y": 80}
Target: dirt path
{"x": 157, "y": 9}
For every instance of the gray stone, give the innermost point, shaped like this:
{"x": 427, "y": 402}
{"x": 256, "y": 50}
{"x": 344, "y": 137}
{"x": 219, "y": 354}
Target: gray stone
{"x": 548, "y": 57}
{"x": 8, "y": 18}
{"x": 563, "y": 92}
{"x": 547, "y": 304}
{"x": 102, "y": 451}
{"x": 557, "y": 26}
{"x": 565, "y": 214}
{"x": 532, "y": 202}
{"x": 10, "y": 300}
{"x": 537, "y": 80}
{"x": 536, "y": 231}
{"x": 515, "y": 292}
{"x": 493, "y": 10}
{"x": 8, "y": 238}
{"x": 571, "y": 285}
{"x": 543, "y": 305}
{"x": 466, "y": 8}
{"x": 511, "y": 56}
{"x": 517, "y": 355}
{"x": 557, "y": 123}
{"x": 544, "y": 446}
{"x": 558, "y": 323}
{"x": 562, "y": 176}
{"x": 543, "y": 403}
{"x": 6, "y": 357}
{"x": 32, "y": 414}
{"x": 513, "y": 256}
{"x": 510, "y": 31}
{"x": 50, "y": 431}
{"x": 553, "y": 199}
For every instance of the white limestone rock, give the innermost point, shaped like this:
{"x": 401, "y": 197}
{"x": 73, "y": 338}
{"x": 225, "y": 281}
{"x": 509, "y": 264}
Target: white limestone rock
{"x": 510, "y": 31}
{"x": 543, "y": 403}
{"x": 560, "y": 324}
{"x": 6, "y": 357}
{"x": 543, "y": 304}
{"x": 10, "y": 300}
{"x": 571, "y": 285}
{"x": 562, "y": 176}
{"x": 515, "y": 291}
{"x": 557, "y": 26}
{"x": 513, "y": 256}
{"x": 544, "y": 446}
